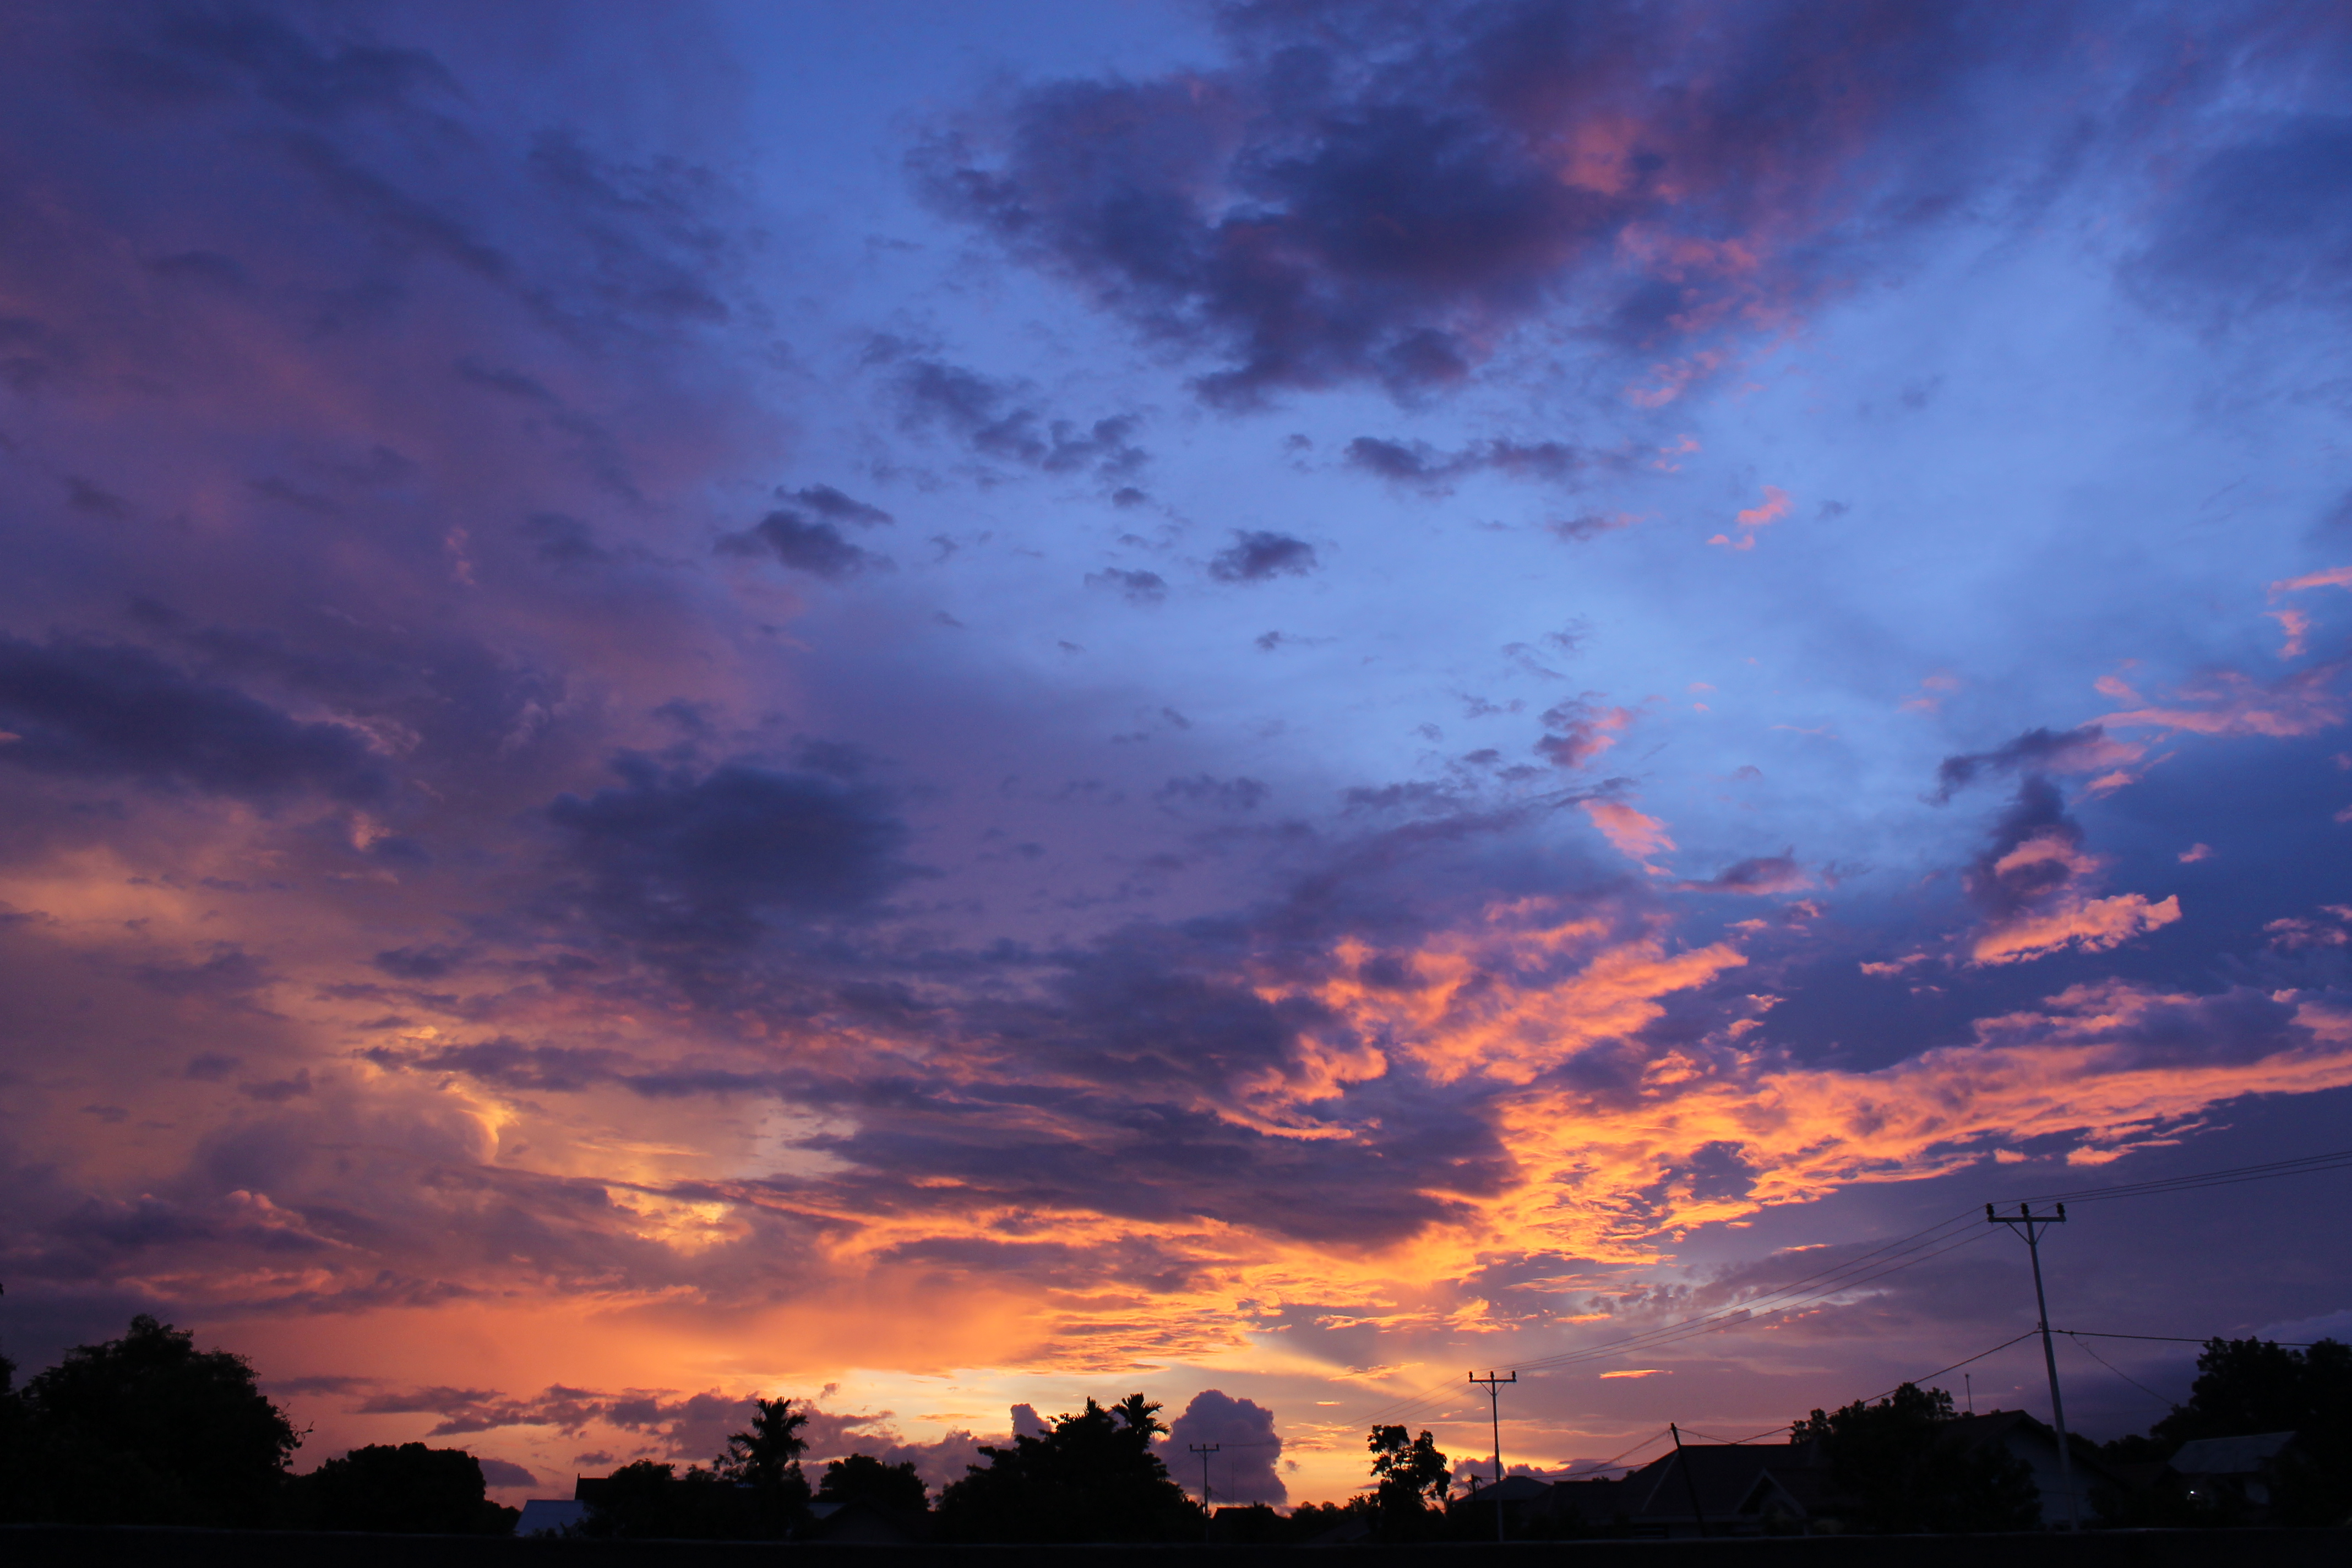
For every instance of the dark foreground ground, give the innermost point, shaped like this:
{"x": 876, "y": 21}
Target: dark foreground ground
{"x": 60, "y": 1546}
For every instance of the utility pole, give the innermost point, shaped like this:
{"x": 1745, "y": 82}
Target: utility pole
{"x": 1204, "y": 1450}
{"x": 2030, "y": 1225}
{"x": 1690, "y": 1482}
{"x": 1495, "y": 1408}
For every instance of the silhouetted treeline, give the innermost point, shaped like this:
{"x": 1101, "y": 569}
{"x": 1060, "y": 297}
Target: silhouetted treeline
{"x": 148, "y": 1429}
{"x": 1091, "y": 1476}
{"x": 2244, "y": 1388}
{"x": 1904, "y": 1467}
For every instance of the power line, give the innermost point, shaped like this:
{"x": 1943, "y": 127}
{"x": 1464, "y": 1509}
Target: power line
{"x": 2119, "y": 1371}
{"x": 2306, "y": 1164}
{"x": 1904, "y": 1252}
{"x": 2184, "y": 1339}
{"x": 2030, "y": 1225}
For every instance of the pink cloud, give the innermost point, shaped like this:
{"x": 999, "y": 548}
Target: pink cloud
{"x": 2296, "y": 625}
{"x": 1775, "y": 507}
{"x": 2230, "y": 703}
{"x": 1579, "y": 730}
{"x": 2334, "y": 577}
{"x": 1628, "y": 831}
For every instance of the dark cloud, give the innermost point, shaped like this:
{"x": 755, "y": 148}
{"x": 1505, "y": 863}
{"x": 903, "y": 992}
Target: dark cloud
{"x": 1346, "y": 203}
{"x": 1000, "y": 419}
{"x": 1763, "y": 874}
{"x": 1579, "y": 730}
{"x": 670, "y": 855}
{"x": 505, "y": 1473}
{"x": 1136, "y": 587}
{"x": 111, "y": 711}
{"x": 229, "y": 973}
{"x": 510, "y": 1064}
{"x": 2036, "y": 750}
{"x": 1225, "y": 794}
{"x": 816, "y": 548}
{"x": 1257, "y": 556}
{"x": 830, "y": 503}
{"x": 1425, "y": 467}
{"x": 195, "y": 53}
{"x": 2003, "y": 884}
{"x": 429, "y": 962}
{"x": 563, "y": 540}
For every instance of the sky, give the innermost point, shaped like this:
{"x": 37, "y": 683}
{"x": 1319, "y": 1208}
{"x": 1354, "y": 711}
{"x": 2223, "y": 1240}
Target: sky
{"x": 942, "y": 708}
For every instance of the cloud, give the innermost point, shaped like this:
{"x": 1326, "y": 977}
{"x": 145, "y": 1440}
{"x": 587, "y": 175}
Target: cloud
{"x": 1244, "y": 1470}
{"x": 1136, "y": 587}
{"x": 1202, "y": 790}
{"x": 831, "y": 504}
{"x": 1578, "y": 731}
{"x": 2262, "y": 223}
{"x": 91, "y": 709}
{"x": 1257, "y": 556}
{"x": 2083, "y": 750}
{"x": 2033, "y": 883}
{"x": 1310, "y": 218}
{"x": 1000, "y": 419}
{"x": 1771, "y": 509}
{"x": 1418, "y": 464}
{"x": 2228, "y": 702}
{"x": 670, "y": 855}
{"x": 816, "y": 548}
{"x": 1628, "y": 831}
{"x": 1764, "y": 874}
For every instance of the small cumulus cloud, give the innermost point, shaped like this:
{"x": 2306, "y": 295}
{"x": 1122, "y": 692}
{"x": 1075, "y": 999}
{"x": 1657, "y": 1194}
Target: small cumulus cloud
{"x": 1770, "y": 509}
{"x": 1258, "y": 556}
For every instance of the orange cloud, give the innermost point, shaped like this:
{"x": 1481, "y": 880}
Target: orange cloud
{"x": 1628, "y": 831}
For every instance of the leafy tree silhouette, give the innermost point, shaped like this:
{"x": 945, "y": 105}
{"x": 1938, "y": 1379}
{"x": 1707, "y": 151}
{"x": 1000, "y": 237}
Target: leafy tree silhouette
{"x": 2249, "y": 1386}
{"x": 1412, "y": 1478}
{"x": 1092, "y": 1477}
{"x": 1906, "y": 1467}
{"x": 766, "y": 1457}
{"x": 406, "y": 1489}
{"x": 649, "y": 1500}
{"x": 893, "y": 1489}
{"x": 754, "y": 1491}
{"x": 147, "y": 1429}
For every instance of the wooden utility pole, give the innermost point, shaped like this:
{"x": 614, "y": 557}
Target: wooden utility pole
{"x": 1204, "y": 1450}
{"x": 1495, "y": 1408}
{"x": 2030, "y": 1225}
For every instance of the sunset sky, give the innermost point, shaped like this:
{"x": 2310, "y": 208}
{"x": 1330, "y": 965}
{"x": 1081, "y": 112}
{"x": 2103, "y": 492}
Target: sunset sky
{"x": 945, "y": 706}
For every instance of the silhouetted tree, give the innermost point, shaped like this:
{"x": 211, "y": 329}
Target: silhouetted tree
{"x": 893, "y": 1489}
{"x": 147, "y": 1429}
{"x": 403, "y": 1491}
{"x": 1906, "y": 1467}
{"x": 1412, "y": 1478}
{"x": 766, "y": 1458}
{"x": 649, "y": 1500}
{"x": 1094, "y": 1477}
{"x": 2248, "y": 1386}
{"x": 1310, "y": 1520}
